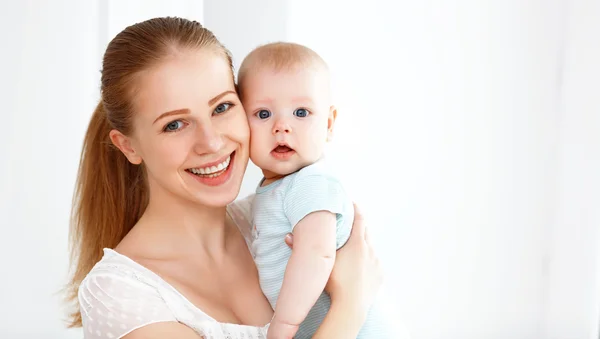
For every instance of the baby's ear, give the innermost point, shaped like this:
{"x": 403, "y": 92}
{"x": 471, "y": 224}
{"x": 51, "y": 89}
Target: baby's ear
{"x": 331, "y": 121}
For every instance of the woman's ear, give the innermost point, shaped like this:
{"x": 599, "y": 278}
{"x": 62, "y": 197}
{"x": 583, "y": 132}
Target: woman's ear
{"x": 123, "y": 143}
{"x": 331, "y": 122}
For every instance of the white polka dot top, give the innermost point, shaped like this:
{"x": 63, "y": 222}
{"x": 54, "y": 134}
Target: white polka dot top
{"x": 119, "y": 296}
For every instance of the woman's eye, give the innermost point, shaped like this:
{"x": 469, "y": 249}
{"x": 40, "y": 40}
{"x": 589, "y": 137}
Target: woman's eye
{"x": 301, "y": 113}
{"x": 174, "y": 126}
{"x": 263, "y": 114}
{"x": 222, "y": 108}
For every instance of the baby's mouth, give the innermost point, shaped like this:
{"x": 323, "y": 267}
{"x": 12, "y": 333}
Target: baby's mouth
{"x": 283, "y": 152}
{"x": 282, "y": 149}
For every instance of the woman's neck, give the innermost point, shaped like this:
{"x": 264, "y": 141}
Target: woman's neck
{"x": 175, "y": 226}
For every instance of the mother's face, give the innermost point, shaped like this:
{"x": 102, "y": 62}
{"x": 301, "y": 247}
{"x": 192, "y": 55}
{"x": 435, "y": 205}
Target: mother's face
{"x": 190, "y": 129}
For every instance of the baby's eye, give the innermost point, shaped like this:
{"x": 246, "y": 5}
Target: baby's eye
{"x": 301, "y": 113}
{"x": 263, "y": 114}
{"x": 222, "y": 108}
{"x": 173, "y": 126}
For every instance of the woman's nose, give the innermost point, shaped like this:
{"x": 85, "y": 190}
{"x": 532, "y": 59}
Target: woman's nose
{"x": 209, "y": 139}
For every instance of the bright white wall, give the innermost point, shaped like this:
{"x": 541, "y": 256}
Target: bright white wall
{"x": 121, "y": 14}
{"x": 488, "y": 226}
{"x": 49, "y": 55}
{"x": 572, "y": 303}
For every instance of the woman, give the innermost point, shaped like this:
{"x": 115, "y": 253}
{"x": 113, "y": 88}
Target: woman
{"x": 160, "y": 249}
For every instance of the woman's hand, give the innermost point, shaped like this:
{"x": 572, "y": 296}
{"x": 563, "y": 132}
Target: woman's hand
{"x": 357, "y": 274}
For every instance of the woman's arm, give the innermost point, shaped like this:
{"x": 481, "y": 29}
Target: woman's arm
{"x": 163, "y": 330}
{"x": 341, "y": 322}
{"x": 353, "y": 285}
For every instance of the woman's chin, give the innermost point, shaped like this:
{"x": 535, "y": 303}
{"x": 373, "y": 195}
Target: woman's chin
{"x": 216, "y": 196}
{"x": 216, "y": 201}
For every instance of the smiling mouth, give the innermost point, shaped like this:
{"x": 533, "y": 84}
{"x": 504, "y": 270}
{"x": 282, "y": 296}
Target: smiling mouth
{"x": 212, "y": 171}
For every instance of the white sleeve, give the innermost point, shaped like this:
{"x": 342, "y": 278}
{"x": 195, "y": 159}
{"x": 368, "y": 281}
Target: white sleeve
{"x": 113, "y": 305}
{"x": 240, "y": 212}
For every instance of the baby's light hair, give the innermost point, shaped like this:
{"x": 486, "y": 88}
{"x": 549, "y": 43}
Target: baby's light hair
{"x": 279, "y": 56}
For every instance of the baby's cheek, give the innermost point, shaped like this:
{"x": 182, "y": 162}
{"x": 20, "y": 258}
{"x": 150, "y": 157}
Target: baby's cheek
{"x": 254, "y": 146}
{"x": 256, "y": 137}
{"x": 318, "y": 135}
{"x": 257, "y": 149}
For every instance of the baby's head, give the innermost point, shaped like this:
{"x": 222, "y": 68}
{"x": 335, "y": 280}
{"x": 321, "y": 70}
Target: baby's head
{"x": 285, "y": 90}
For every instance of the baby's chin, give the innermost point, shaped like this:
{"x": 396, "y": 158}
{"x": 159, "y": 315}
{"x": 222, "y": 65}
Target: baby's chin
{"x": 275, "y": 169}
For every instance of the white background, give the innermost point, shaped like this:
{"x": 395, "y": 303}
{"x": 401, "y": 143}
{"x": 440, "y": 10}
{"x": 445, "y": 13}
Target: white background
{"x": 469, "y": 132}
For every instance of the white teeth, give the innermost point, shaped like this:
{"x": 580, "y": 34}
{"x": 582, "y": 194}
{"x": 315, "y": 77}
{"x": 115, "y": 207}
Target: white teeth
{"x": 209, "y": 171}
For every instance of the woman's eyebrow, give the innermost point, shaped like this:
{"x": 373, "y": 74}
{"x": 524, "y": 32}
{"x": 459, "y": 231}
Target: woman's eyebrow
{"x": 213, "y": 100}
{"x": 187, "y": 111}
{"x": 175, "y": 112}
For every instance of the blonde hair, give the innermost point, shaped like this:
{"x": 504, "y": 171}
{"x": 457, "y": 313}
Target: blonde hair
{"x": 279, "y": 56}
{"x": 111, "y": 193}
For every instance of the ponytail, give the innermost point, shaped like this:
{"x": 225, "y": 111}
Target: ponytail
{"x": 110, "y": 196}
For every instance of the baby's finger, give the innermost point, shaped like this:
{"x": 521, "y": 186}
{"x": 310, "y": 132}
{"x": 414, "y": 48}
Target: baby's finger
{"x": 289, "y": 240}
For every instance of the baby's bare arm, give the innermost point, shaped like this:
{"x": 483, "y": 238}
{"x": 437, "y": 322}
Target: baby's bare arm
{"x": 307, "y": 272}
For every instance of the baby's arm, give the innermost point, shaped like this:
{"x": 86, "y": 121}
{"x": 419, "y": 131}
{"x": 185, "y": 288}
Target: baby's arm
{"x": 307, "y": 272}
{"x": 316, "y": 206}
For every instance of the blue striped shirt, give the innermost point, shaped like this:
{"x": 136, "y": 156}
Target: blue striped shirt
{"x": 276, "y": 210}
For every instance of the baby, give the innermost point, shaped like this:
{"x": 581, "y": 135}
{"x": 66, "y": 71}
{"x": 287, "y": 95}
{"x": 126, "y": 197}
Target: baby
{"x": 285, "y": 90}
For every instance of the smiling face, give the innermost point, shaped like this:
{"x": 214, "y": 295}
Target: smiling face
{"x": 290, "y": 117}
{"x": 190, "y": 129}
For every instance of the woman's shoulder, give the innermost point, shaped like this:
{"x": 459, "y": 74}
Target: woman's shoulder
{"x": 117, "y": 297}
{"x": 118, "y": 278}
{"x": 117, "y": 270}
{"x": 240, "y": 211}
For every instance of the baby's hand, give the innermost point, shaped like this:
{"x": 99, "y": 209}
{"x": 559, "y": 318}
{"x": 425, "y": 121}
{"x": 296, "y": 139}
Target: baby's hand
{"x": 278, "y": 330}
